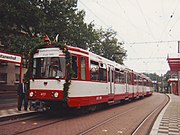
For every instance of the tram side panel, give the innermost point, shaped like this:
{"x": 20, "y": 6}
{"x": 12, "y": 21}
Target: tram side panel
{"x": 84, "y": 93}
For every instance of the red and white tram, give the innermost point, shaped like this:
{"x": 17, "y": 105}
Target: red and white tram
{"x": 96, "y": 80}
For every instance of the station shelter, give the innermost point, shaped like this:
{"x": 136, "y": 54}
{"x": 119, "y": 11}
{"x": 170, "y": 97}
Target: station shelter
{"x": 10, "y": 71}
{"x": 174, "y": 80}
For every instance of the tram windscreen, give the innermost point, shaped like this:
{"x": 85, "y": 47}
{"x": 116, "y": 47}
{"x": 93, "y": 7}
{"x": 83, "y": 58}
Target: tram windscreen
{"x": 49, "y": 67}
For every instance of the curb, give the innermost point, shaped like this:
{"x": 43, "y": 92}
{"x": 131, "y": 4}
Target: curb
{"x": 16, "y": 115}
{"x": 155, "y": 128}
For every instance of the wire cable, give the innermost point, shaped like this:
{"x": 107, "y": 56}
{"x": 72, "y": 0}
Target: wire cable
{"x": 147, "y": 24}
{"x": 93, "y": 13}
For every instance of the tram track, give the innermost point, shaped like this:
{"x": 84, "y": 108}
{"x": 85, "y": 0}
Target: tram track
{"x": 47, "y": 122}
{"x": 158, "y": 108}
{"x": 42, "y": 126}
{"x": 16, "y": 119}
{"x": 104, "y": 122}
{"x": 39, "y": 117}
{"x": 28, "y": 116}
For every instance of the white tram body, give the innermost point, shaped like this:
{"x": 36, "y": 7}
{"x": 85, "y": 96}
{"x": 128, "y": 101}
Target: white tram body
{"x": 96, "y": 79}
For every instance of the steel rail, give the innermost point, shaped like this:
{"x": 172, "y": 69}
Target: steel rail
{"x": 160, "y": 107}
{"x": 110, "y": 119}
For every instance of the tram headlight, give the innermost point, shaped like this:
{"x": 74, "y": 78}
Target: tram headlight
{"x": 31, "y": 94}
{"x": 56, "y": 94}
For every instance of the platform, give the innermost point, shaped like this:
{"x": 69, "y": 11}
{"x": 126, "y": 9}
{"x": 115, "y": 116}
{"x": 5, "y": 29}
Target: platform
{"x": 168, "y": 121}
{"x": 8, "y": 108}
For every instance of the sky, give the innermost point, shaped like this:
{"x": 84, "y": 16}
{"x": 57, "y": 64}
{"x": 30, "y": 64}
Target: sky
{"x": 149, "y": 29}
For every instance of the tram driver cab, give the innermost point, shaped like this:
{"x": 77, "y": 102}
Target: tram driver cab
{"x": 52, "y": 67}
{"x": 55, "y": 69}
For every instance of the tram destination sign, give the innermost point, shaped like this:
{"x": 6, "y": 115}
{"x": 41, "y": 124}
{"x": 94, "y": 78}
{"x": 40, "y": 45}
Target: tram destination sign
{"x": 48, "y": 52}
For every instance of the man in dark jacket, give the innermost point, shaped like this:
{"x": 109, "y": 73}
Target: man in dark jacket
{"x": 22, "y": 93}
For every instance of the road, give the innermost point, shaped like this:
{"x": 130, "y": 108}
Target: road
{"x": 120, "y": 119}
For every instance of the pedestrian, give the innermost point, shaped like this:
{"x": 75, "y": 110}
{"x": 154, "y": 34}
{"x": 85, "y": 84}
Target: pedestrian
{"x": 22, "y": 93}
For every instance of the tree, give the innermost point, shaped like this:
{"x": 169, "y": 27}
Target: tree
{"x": 153, "y": 76}
{"x": 36, "y": 18}
{"x": 108, "y": 46}
{"x": 19, "y": 21}
{"x": 19, "y": 17}
{"x": 24, "y": 22}
{"x": 62, "y": 17}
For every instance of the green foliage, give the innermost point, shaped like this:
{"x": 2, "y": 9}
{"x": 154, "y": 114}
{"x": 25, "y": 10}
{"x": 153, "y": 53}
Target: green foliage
{"x": 21, "y": 44}
{"x": 153, "y": 76}
{"x": 24, "y": 22}
{"x": 18, "y": 17}
{"x": 108, "y": 46}
{"x": 67, "y": 83}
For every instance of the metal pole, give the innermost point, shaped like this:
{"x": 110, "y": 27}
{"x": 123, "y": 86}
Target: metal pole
{"x": 178, "y": 83}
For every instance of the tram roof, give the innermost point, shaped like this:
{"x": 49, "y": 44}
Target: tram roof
{"x": 98, "y": 58}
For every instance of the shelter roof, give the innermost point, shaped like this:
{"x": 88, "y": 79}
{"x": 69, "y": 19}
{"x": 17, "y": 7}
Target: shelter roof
{"x": 174, "y": 64}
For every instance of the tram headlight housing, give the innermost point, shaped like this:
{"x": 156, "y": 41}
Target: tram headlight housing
{"x": 56, "y": 94}
{"x": 31, "y": 94}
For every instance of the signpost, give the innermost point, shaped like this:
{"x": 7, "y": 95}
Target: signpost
{"x": 12, "y": 58}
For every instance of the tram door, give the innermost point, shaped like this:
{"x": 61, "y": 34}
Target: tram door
{"x": 111, "y": 79}
{"x": 127, "y": 84}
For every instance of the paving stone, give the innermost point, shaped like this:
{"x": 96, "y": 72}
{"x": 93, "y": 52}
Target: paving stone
{"x": 173, "y": 133}
{"x": 170, "y": 122}
{"x": 173, "y": 130}
{"x": 162, "y": 131}
{"x": 162, "y": 134}
{"x": 163, "y": 127}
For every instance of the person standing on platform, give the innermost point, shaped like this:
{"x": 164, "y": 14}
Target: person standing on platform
{"x": 22, "y": 93}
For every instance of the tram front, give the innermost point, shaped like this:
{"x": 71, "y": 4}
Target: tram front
{"x": 48, "y": 77}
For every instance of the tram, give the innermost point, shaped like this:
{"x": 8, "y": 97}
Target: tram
{"x": 95, "y": 80}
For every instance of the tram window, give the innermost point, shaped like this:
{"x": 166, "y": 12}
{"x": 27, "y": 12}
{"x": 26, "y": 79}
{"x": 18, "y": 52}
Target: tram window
{"x": 49, "y": 67}
{"x": 34, "y": 67}
{"x": 145, "y": 82}
{"x": 74, "y": 66}
{"x": 119, "y": 76}
{"x": 112, "y": 73}
{"x": 37, "y": 68}
{"x": 129, "y": 78}
{"x": 102, "y": 72}
{"x": 135, "y": 79}
{"x": 56, "y": 68}
{"x": 83, "y": 68}
{"x": 94, "y": 71}
{"x": 151, "y": 84}
{"x": 108, "y": 74}
{"x": 140, "y": 81}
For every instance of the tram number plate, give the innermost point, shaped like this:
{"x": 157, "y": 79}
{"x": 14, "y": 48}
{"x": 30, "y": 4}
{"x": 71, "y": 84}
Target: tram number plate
{"x": 43, "y": 94}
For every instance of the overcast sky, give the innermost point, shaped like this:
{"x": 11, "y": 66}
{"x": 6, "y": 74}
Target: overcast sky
{"x": 150, "y": 29}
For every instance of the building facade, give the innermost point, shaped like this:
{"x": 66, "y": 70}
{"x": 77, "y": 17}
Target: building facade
{"x": 174, "y": 80}
{"x": 11, "y": 71}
